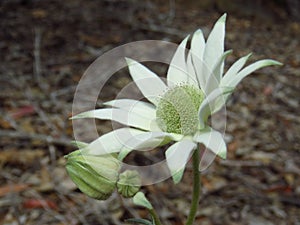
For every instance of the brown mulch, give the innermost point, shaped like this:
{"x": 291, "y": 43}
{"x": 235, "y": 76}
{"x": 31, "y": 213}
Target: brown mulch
{"x": 45, "y": 47}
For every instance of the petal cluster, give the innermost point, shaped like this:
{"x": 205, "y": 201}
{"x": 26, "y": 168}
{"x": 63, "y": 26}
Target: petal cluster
{"x": 202, "y": 67}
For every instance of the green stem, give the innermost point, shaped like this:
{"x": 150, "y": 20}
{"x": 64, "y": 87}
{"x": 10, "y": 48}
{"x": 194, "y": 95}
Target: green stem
{"x": 155, "y": 217}
{"x": 196, "y": 188}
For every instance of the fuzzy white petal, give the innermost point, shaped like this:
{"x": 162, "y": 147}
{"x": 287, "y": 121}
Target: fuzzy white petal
{"x": 144, "y": 141}
{"x": 214, "y": 78}
{"x": 143, "y": 108}
{"x": 214, "y": 47}
{"x": 234, "y": 69}
{"x": 177, "y": 72}
{"x": 235, "y": 80}
{"x": 213, "y": 102}
{"x": 122, "y": 116}
{"x": 148, "y": 82}
{"x": 198, "y": 48}
{"x": 111, "y": 142}
{"x": 213, "y": 140}
{"x": 177, "y": 156}
{"x": 192, "y": 77}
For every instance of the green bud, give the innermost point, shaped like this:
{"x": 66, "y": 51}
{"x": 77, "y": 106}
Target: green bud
{"x": 96, "y": 176}
{"x": 129, "y": 183}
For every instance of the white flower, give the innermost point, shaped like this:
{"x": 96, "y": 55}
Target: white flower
{"x": 177, "y": 111}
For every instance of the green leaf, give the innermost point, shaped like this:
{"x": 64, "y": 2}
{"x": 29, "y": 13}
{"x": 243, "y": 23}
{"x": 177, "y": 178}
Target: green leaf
{"x": 140, "y": 221}
{"x": 141, "y": 200}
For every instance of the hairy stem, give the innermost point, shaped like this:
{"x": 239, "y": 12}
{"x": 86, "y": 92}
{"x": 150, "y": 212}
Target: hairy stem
{"x": 196, "y": 188}
{"x": 155, "y": 217}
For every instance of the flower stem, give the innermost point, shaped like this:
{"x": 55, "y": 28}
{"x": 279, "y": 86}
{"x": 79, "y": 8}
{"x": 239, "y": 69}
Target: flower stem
{"x": 155, "y": 217}
{"x": 196, "y": 188}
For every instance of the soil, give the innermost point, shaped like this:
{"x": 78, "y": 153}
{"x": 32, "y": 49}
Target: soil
{"x": 46, "y": 46}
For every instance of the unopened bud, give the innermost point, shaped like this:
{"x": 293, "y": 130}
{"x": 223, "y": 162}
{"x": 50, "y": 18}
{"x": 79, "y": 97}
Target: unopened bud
{"x": 96, "y": 176}
{"x": 129, "y": 183}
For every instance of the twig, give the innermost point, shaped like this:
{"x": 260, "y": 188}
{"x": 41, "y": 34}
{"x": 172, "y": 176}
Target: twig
{"x": 162, "y": 29}
{"x": 171, "y": 14}
{"x": 62, "y": 91}
{"x": 39, "y": 137}
{"x": 292, "y": 200}
{"x": 73, "y": 211}
{"x": 44, "y": 117}
{"x": 126, "y": 206}
{"x": 37, "y": 55}
{"x": 42, "y": 114}
{"x": 239, "y": 163}
{"x": 52, "y": 153}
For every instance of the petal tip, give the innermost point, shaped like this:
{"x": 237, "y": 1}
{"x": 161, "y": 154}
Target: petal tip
{"x": 223, "y": 18}
{"x": 198, "y": 32}
{"x": 187, "y": 37}
{"x": 177, "y": 176}
{"x": 80, "y": 115}
{"x": 223, "y": 154}
{"x": 129, "y": 61}
{"x": 74, "y": 117}
{"x": 271, "y": 62}
{"x": 228, "y": 52}
{"x": 276, "y": 63}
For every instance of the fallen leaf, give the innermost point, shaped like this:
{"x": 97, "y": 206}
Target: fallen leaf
{"x": 38, "y": 203}
{"x": 6, "y": 189}
{"x": 22, "y": 111}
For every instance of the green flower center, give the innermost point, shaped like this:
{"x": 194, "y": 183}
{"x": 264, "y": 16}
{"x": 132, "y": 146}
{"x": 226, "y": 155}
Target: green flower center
{"x": 177, "y": 110}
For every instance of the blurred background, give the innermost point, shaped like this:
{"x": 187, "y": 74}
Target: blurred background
{"x": 45, "y": 47}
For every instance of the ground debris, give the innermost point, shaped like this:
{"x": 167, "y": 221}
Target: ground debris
{"x": 47, "y": 46}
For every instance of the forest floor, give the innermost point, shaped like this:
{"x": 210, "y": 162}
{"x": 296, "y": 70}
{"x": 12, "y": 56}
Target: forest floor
{"x": 47, "y": 45}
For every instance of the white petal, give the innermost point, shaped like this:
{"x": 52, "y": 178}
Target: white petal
{"x": 213, "y": 140}
{"x": 148, "y": 82}
{"x": 177, "y": 72}
{"x": 214, "y": 47}
{"x": 121, "y": 116}
{"x": 235, "y": 80}
{"x": 214, "y": 78}
{"x": 111, "y": 142}
{"x": 148, "y": 141}
{"x": 198, "y": 48}
{"x": 177, "y": 157}
{"x": 234, "y": 69}
{"x": 143, "y": 108}
{"x": 212, "y": 103}
{"x": 192, "y": 78}
{"x": 145, "y": 141}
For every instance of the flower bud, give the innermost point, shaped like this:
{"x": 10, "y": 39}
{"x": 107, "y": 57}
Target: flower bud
{"x": 129, "y": 183}
{"x": 96, "y": 176}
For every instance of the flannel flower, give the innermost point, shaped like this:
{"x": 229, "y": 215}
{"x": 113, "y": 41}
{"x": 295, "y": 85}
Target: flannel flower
{"x": 177, "y": 112}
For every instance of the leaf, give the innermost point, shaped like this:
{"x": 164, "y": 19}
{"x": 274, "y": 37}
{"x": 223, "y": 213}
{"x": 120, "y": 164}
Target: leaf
{"x": 141, "y": 200}
{"x": 6, "y": 189}
{"x": 39, "y": 203}
{"x": 22, "y": 112}
{"x": 140, "y": 221}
